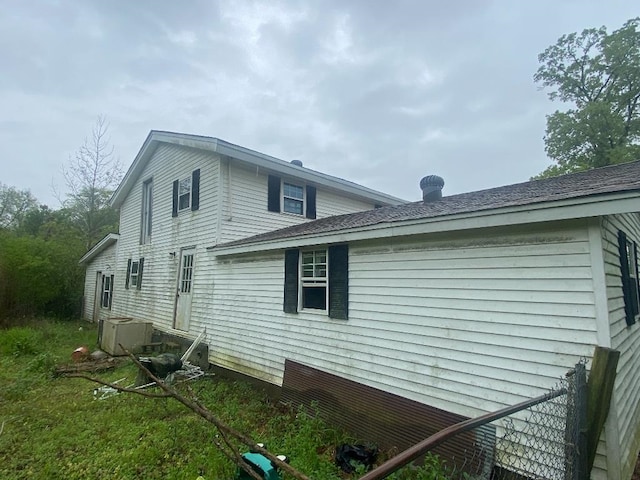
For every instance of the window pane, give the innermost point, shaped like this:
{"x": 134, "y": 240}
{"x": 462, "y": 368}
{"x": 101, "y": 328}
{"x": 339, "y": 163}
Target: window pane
{"x": 293, "y": 206}
{"x": 293, "y": 191}
{"x": 183, "y": 201}
{"x": 185, "y": 186}
{"x": 134, "y": 268}
{"x": 321, "y": 271}
{"x": 314, "y": 297}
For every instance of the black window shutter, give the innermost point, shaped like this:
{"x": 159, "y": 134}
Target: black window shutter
{"x": 273, "y": 202}
{"x": 626, "y": 279}
{"x": 140, "y": 268}
{"x": 195, "y": 190}
{"x": 126, "y": 280}
{"x": 102, "y": 293}
{"x": 311, "y": 202}
{"x": 291, "y": 280}
{"x": 111, "y": 292}
{"x": 635, "y": 308}
{"x": 339, "y": 282}
{"x": 175, "y": 199}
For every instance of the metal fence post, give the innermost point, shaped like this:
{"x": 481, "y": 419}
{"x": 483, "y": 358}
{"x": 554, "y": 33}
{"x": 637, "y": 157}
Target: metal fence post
{"x": 576, "y": 425}
{"x": 581, "y": 423}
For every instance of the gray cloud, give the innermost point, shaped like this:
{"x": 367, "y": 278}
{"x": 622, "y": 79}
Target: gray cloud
{"x": 377, "y": 92}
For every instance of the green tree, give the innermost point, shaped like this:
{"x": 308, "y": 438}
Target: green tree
{"x": 14, "y": 206}
{"x": 91, "y": 177}
{"x": 598, "y": 75}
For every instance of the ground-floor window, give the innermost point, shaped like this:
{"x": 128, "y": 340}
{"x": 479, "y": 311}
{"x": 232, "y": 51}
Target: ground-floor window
{"x": 317, "y": 280}
{"x": 107, "y": 291}
{"x": 629, "y": 273}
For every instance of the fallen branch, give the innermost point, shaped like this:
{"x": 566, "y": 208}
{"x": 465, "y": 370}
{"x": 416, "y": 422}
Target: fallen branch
{"x": 205, "y": 413}
{"x": 196, "y": 406}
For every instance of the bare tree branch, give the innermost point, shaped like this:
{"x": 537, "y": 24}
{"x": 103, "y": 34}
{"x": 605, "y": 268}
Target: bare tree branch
{"x": 197, "y": 407}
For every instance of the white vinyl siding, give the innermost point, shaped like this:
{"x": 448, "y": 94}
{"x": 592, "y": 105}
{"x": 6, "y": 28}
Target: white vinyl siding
{"x": 438, "y": 321}
{"x": 624, "y": 338}
{"x": 156, "y": 300}
{"x": 244, "y": 204}
{"x": 242, "y": 212}
{"x": 104, "y": 262}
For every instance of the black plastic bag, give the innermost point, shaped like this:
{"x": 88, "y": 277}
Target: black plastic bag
{"x": 348, "y": 457}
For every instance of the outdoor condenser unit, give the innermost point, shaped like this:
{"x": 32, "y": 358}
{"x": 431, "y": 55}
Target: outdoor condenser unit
{"x": 129, "y": 333}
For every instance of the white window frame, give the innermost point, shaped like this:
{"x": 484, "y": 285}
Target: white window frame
{"x": 147, "y": 212}
{"x": 133, "y": 275}
{"x": 314, "y": 277}
{"x": 284, "y": 197}
{"x": 183, "y": 192}
{"x": 107, "y": 288}
{"x": 186, "y": 274}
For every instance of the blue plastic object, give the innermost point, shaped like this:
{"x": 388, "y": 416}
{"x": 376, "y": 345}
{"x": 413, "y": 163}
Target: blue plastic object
{"x": 260, "y": 464}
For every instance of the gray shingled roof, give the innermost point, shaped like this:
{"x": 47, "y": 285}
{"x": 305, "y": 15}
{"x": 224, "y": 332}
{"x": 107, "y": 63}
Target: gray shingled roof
{"x": 605, "y": 180}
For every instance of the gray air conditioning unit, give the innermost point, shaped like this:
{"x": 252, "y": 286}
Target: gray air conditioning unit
{"x": 129, "y": 333}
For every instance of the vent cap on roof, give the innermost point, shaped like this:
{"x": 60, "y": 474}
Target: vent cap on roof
{"x": 296, "y": 162}
{"x": 431, "y": 186}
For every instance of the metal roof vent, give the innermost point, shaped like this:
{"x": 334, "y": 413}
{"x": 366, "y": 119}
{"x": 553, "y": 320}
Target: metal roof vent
{"x": 431, "y": 186}
{"x": 296, "y": 162}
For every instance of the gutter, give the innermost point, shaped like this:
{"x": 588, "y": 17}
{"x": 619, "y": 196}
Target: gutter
{"x": 542, "y": 212}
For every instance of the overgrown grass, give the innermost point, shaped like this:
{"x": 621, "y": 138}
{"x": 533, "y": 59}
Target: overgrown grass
{"x": 54, "y": 428}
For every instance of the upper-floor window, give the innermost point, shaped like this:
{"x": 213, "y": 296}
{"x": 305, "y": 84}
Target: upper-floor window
{"x": 291, "y": 197}
{"x": 134, "y": 273}
{"x": 147, "y": 211}
{"x": 186, "y": 193}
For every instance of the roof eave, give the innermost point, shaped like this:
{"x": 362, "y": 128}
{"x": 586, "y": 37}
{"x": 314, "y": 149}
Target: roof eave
{"x": 242, "y": 154}
{"x": 108, "y": 240}
{"x": 574, "y": 208}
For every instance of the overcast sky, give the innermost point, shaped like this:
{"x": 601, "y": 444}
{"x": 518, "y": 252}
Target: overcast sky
{"x": 377, "y": 92}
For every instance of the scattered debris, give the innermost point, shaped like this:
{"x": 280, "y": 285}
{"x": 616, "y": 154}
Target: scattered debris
{"x": 100, "y": 365}
{"x": 166, "y": 366}
{"x": 99, "y": 355}
{"x": 162, "y": 366}
{"x": 349, "y": 457}
{"x": 80, "y": 354}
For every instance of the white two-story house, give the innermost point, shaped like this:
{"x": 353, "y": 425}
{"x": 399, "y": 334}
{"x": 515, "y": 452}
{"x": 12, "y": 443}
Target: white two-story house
{"x": 184, "y": 193}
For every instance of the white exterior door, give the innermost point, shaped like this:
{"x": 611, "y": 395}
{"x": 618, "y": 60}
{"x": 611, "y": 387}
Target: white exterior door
{"x": 185, "y": 287}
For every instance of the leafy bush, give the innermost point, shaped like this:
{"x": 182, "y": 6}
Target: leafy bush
{"x": 433, "y": 468}
{"x": 20, "y": 341}
{"x": 44, "y": 363}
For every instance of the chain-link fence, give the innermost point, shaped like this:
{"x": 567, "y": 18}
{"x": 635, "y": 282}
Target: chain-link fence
{"x": 543, "y": 438}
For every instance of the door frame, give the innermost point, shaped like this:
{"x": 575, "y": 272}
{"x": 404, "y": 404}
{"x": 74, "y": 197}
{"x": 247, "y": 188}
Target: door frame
{"x": 180, "y": 257}
{"x": 97, "y": 298}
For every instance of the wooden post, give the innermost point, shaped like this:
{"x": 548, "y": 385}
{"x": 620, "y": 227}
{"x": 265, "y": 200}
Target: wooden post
{"x": 599, "y": 391}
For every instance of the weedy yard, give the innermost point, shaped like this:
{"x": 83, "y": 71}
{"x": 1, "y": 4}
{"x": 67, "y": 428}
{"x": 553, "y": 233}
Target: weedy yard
{"x": 52, "y": 427}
